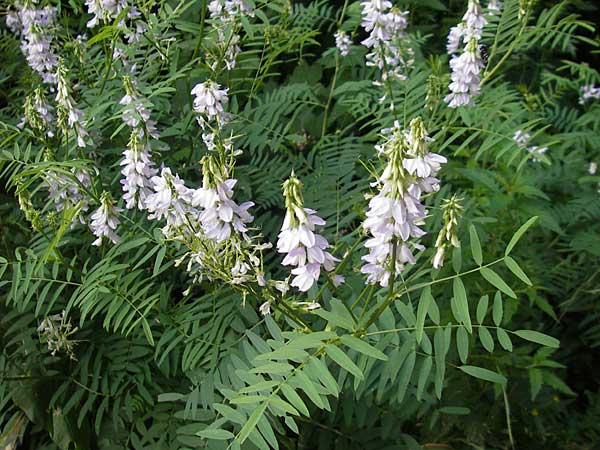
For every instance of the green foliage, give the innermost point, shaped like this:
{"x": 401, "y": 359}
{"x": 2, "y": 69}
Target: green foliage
{"x": 492, "y": 350}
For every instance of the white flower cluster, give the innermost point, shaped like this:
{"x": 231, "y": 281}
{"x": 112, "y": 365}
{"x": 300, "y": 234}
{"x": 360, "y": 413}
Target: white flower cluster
{"x": 466, "y": 66}
{"x": 69, "y": 116}
{"x": 35, "y": 27}
{"x": 396, "y": 212}
{"x": 104, "y": 10}
{"x": 137, "y": 166}
{"x": 588, "y": 92}
{"x": 522, "y": 139}
{"x": 104, "y": 220}
{"x": 343, "y": 42}
{"x": 385, "y": 26}
{"x": 306, "y": 250}
{"x": 172, "y": 201}
{"x": 222, "y": 215}
{"x": 66, "y": 191}
{"x": 226, "y": 14}
{"x": 209, "y": 104}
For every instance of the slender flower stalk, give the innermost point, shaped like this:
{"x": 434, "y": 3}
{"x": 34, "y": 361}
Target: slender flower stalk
{"x": 396, "y": 212}
{"x": 305, "y": 249}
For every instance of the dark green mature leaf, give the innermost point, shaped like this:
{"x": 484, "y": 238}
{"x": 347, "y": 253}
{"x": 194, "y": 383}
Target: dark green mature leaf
{"x": 475, "y": 245}
{"x": 538, "y": 338}
{"x": 494, "y": 279}
{"x": 519, "y": 233}
{"x": 483, "y": 374}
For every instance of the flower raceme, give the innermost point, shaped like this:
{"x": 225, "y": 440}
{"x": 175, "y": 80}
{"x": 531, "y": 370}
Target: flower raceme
{"x": 466, "y": 67}
{"x": 396, "y": 212}
{"x": 305, "y": 249}
{"x": 104, "y": 220}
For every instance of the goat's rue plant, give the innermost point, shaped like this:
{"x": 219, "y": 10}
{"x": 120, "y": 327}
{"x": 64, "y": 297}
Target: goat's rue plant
{"x": 240, "y": 221}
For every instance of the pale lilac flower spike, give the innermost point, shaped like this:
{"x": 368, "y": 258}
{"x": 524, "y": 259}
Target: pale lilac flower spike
{"x": 104, "y": 220}
{"x": 306, "y": 250}
{"x": 396, "y": 212}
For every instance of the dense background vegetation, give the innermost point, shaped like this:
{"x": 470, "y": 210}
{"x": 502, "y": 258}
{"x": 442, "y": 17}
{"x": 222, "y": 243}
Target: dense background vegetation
{"x": 156, "y": 359}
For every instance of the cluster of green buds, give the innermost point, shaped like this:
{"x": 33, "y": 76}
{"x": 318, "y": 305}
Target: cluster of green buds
{"x": 55, "y": 331}
{"x": 38, "y": 113}
{"x": 452, "y": 211}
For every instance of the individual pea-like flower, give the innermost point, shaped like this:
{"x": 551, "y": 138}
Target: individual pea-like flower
{"x": 455, "y": 38}
{"x": 593, "y": 167}
{"x": 265, "y": 308}
{"x": 343, "y": 42}
{"x": 209, "y": 102}
{"x": 396, "y": 212}
{"x": 494, "y": 7}
{"x": 305, "y": 249}
{"x": 474, "y": 20}
{"x": 589, "y": 92}
{"x": 69, "y": 116}
{"x": 221, "y": 215}
{"x": 104, "y": 221}
{"x": 465, "y": 79}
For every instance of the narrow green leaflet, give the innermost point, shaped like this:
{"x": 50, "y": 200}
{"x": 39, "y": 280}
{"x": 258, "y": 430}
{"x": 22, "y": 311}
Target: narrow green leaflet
{"x": 475, "y": 245}
{"x": 462, "y": 304}
{"x": 216, "y": 434}
{"x": 504, "y": 339}
{"x": 483, "y": 374}
{"x": 423, "y": 376}
{"x": 538, "y": 338}
{"x": 516, "y": 270}
{"x": 482, "y": 307}
{"x": 423, "y": 308}
{"x": 494, "y": 279}
{"x": 486, "y": 339}
{"x": 362, "y": 347}
{"x": 462, "y": 344}
{"x": 342, "y": 360}
{"x": 497, "y": 309}
{"x": 518, "y": 234}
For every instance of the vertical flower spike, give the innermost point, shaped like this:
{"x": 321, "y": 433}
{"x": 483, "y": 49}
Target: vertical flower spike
{"x": 104, "y": 220}
{"x": 104, "y": 10}
{"x": 466, "y": 67}
{"x": 305, "y": 249}
{"x": 396, "y": 212}
{"x": 35, "y": 27}
{"x": 138, "y": 168}
{"x": 465, "y": 82}
{"x": 221, "y": 215}
{"x": 69, "y": 117}
{"x": 385, "y": 26}
{"x": 452, "y": 211}
{"x": 343, "y": 42}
